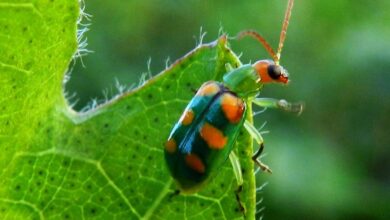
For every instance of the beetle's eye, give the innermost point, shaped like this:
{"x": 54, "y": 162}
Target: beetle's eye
{"x": 274, "y": 71}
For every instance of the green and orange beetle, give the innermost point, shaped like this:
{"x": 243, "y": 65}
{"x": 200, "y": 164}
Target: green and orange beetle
{"x": 204, "y": 137}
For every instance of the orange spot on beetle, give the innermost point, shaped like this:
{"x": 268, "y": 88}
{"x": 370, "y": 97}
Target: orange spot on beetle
{"x": 213, "y": 136}
{"x": 193, "y": 161}
{"x": 209, "y": 89}
{"x": 232, "y": 107}
{"x": 187, "y": 117}
{"x": 171, "y": 146}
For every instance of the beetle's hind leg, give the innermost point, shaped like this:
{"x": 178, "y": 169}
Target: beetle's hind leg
{"x": 238, "y": 173}
{"x": 236, "y": 168}
{"x": 255, "y": 157}
{"x": 259, "y": 139}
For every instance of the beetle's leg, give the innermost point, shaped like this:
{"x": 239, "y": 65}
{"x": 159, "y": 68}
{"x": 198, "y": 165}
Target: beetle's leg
{"x": 236, "y": 168}
{"x": 237, "y": 172}
{"x": 229, "y": 67}
{"x": 238, "y": 198}
{"x": 262, "y": 166}
{"x": 259, "y": 139}
{"x": 279, "y": 103}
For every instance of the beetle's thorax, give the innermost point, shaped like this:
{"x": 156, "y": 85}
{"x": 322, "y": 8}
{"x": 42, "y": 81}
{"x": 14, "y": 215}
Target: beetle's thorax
{"x": 244, "y": 81}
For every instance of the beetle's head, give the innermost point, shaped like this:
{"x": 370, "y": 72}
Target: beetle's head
{"x": 270, "y": 72}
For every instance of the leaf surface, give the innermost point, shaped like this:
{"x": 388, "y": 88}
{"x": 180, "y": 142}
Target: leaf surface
{"x": 108, "y": 162}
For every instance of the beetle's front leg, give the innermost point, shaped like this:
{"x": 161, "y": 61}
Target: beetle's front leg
{"x": 280, "y": 104}
{"x": 259, "y": 139}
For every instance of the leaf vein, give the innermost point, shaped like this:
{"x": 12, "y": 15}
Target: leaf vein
{"x": 13, "y": 67}
{"x": 117, "y": 189}
{"x": 22, "y": 202}
{"x": 158, "y": 200}
{"x": 29, "y": 6}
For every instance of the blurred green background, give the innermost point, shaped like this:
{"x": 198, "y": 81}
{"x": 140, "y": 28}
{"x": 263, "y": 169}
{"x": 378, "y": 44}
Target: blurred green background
{"x": 333, "y": 161}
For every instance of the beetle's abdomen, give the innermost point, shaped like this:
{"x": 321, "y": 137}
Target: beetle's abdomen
{"x": 204, "y": 136}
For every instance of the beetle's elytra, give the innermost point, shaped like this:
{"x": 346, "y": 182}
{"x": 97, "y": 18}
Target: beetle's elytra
{"x": 204, "y": 136}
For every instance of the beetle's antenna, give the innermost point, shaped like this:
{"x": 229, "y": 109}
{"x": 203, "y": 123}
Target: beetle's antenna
{"x": 260, "y": 38}
{"x": 284, "y": 29}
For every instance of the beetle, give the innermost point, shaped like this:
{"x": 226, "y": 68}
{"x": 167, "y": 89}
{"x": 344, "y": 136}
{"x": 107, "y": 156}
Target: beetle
{"x": 204, "y": 137}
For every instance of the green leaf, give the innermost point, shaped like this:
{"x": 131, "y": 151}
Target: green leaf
{"x": 108, "y": 162}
